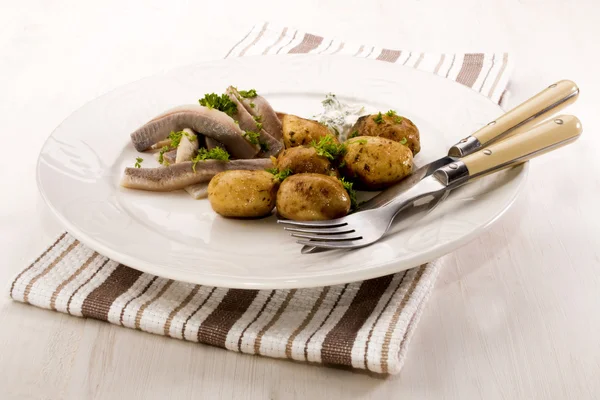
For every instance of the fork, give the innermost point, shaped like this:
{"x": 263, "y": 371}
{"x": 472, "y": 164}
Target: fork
{"x": 366, "y": 227}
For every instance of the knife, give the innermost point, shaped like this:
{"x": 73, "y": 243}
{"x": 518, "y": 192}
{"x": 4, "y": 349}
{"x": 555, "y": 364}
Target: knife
{"x": 520, "y": 119}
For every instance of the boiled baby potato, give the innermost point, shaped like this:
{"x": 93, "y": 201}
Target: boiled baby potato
{"x": 312, "y": 197}
{"x": 299, "y": 131}
{"x": 390, "y": 126}
{"x": 302, "y": 160}
{"x": 375, "y": 162}
{"x": 243, "y": 194}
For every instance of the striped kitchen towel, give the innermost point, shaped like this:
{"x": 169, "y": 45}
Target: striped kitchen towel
{"x": 364, "y": 325}
{"x": 487, "y": 73}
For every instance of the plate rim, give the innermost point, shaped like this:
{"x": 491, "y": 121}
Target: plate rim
{"x": 382, "y": 269}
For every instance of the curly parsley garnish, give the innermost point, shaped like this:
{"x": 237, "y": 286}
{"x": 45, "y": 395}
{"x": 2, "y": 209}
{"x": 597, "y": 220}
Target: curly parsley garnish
{"x": 221, "y": 103}
{"x": 378, "y": 118}
{"x": 138, "y": 162}
{"x": 254, "y": 138}
{"x": 257, "y": 118}
{"x": 215, "y": 153}
{"x": 252, "y": 105}
{"x": 248, "y": 94}
{"x": 279, "y": 175}
{"x": 351, "y": 193}
{"x": 329, "y": 148}
{"x": 354, "y": 134}
{"x": 403, "y": 141}
{"x": 394, "y": 114}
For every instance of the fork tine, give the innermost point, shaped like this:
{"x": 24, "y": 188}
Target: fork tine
{"x": 324, "y": 231}
{"x": 349, "y": 236}
{"x": 314, "y": 224}
{"x": 344, "y": 244}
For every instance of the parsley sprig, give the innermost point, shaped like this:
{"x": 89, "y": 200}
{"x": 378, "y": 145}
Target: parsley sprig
{"x": 378, "y": 118}
{"x": 254, "y": 138}
{"x": 279, "y": 175}
{"x": 215, "y": 153}
{"x": 351, "y": 193}
{"x": 221, "y": 103}
{"x": 394, "y": 114}
{"x": 248, "y": 94}
{"x": 138, "y": 162}
{"x": 329, "y": 148}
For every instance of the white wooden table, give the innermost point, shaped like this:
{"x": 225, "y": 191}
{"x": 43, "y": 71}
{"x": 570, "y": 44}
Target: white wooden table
{"x": 514, "y": 315}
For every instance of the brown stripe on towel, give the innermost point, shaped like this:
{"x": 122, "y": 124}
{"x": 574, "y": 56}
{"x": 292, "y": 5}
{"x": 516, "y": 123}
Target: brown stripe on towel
{"x": 309, "y": 43}
{"x": 470, "y": 70}
{"x": 97, "y": 303}
{"x": 389, "y": 55}
{"x": 215, "y": 328}
{"x": 345, "y": 330}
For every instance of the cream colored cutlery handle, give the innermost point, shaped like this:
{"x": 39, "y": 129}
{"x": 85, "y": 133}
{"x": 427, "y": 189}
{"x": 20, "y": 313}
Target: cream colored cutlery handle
{"x": 521, "y": 118}
{"x": 519, "y": 148}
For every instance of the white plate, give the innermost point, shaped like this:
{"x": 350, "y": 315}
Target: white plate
{"x": 171, "y": 235}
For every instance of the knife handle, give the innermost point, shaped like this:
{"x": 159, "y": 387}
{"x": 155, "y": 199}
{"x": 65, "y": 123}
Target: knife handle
{"x": 552, "y": 99}
{"x": 517, "y": 149}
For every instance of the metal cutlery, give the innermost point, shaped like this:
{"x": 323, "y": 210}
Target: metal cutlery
{"x": 519, "y": 119}
{"x": 366, "y": 227}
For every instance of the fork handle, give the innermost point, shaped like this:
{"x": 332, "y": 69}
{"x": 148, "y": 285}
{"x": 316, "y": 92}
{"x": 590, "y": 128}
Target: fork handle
{"x": 517, "y": 149}
{"x": 550, "y": 100}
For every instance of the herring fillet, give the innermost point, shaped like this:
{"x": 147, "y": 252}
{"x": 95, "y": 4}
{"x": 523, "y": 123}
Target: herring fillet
{"x": 269, "y": 119}
{"x": 248, "y": 123}
{"x": 168, "y": 156}
{"x": 187, "y": 147}
{"x": 178, "y": 176}
{"x": 198, "y": 191}
{"x": 212, "y": 143}
{"x": 212, "y": 123}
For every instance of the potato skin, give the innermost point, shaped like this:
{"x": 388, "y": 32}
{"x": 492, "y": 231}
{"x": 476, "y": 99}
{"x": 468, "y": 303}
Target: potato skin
{"x": 304, "y": 160}
{"x": 390, "y": 129}
{"x": 243, "y": 194}
{"x": 312, "y": 197}
{"x": 299, "y": 131}
{"x": 375, "y": 162}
